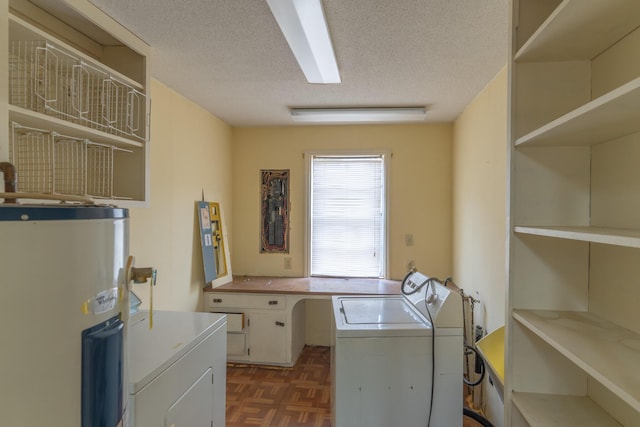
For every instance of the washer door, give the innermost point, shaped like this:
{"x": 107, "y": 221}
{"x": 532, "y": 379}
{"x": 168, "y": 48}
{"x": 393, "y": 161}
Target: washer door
{"x": 378, "y": 311}
{"x": 375, "y": 316}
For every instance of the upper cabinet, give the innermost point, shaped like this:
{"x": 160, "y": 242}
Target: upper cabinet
{"x": 573, "y": 326}
{"x": 77, "y": 110}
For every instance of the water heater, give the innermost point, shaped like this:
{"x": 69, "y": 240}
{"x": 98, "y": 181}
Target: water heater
{"x": 63, "y": 308}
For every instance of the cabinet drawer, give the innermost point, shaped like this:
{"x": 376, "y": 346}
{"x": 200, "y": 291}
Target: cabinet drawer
{"x": 216, "y": 300}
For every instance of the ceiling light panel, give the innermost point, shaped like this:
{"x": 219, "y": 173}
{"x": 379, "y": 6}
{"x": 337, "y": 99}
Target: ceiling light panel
{"x": 359, "y": 115}
{"x": 304, "y": 26}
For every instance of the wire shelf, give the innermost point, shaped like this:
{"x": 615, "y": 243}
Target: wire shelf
{"x": 48, "y": 80}
{"x": 51, "y": 163}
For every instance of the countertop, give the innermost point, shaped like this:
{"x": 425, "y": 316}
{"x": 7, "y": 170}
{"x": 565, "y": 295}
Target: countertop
{"x": 309, "y": 286}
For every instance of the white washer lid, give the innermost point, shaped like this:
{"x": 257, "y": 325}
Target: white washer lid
{"x": 373, "y": 316}
{"x": 378, "y": 311}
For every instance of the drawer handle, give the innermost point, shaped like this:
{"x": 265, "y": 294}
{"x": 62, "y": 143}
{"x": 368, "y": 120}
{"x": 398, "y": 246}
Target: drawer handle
{"x": 273, "y": 302}
{"x": 280, "y": 324}
{"x": 217, "y": 300}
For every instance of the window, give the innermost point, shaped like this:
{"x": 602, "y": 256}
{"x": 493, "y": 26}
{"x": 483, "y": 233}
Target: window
{"x": 347, "y": 216}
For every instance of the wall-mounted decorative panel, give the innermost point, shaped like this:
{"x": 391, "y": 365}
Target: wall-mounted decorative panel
{"x": 274, "y": 217}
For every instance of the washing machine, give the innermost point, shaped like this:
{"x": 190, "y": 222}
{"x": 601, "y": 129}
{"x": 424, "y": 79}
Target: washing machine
{"x": 397, "y": 360}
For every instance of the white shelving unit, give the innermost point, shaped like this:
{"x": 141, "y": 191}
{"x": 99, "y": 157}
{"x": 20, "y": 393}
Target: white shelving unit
{"x": 553, "y": 410}
{"x": 72, "y": 70}
{"x": 604, "y": 350}
{"x": 613, "y": 115}
{"x": 608, "y": 236}
{"x": 573, "y": 328}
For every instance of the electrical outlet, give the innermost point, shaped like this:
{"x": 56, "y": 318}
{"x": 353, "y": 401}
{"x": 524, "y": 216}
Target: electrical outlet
{"x": 410, "y": 265}
{"x": 287, "y": 263}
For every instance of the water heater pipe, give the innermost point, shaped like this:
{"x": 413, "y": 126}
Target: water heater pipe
{"x": 10, "y": 179}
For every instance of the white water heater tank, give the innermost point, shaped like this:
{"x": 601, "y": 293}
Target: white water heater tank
{"x": 63, "y": 309}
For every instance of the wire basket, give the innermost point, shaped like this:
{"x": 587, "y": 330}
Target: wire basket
{"x": 42, "y": 78}
{"x": 51, "y": 163}
{"x": 100, "y": 170}
{"x": 31, "y": 152}
{"x": 89, "y": 99}
{"x": 123, "y": 108}
{"x": 70, "y": 168}
{"x": 48, "y": 80}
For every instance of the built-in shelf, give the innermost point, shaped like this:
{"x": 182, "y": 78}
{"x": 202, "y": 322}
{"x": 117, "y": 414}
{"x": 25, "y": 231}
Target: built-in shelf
{"x": 19, "y": 29}
{"x": 574, "y": 120}
{"x": 610, "y": 116}
{"x": 609, "y": 236}
{"x": 37, "y": 120}
{"x": 604, "y": 350}
{"x": 580, "y": 30}
{"x": 553, "y": 410}
{"x": 75, "y": 76}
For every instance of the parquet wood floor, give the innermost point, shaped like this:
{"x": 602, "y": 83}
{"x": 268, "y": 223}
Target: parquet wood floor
{"x": 259, "y": 396}
{"x": 281, "y": 397}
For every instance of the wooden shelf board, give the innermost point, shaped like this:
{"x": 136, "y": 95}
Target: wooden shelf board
{"x": 604, "y": 350}
{"x": 580, "y": 30}
{"x": 36, "y": 120}
{"x": 613, "y": 115}
{"x": 609, "y": 236}
{"x": 553, "y": 410}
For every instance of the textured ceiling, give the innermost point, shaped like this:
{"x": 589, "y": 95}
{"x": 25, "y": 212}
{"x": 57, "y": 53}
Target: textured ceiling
{"x": 230, "y": 57}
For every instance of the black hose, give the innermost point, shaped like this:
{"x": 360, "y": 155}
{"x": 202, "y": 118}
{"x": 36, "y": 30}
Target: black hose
{"x": 479, "y": 362}
{"x": 476, "y": 416}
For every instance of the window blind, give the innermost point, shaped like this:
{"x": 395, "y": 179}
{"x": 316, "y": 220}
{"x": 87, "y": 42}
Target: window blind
{"x": 347, "y": 216}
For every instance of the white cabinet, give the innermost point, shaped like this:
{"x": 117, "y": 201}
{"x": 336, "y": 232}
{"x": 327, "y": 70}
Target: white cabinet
{"x": 573, "y": 327}
{"x": 267, "y": 336}
{"x": 265, "y": 328}
{"x": 76, "y": 119}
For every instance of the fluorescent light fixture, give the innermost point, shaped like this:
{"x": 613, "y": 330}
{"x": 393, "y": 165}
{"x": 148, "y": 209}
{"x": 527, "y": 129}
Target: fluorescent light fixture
{"x": 304, "y": 26}
{"x": 358, "y": 115}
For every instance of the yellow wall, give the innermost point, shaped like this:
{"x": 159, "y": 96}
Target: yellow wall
{"x": 479, "y": 211}
{"x": 479, "y": 199}
{"x": 420, "y": 191}
{"x": 190, "y": 152}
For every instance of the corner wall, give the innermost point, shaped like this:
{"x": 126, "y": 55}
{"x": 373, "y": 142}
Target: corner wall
{"x": 190, "y": 153}
{"x": 479, "y": 209}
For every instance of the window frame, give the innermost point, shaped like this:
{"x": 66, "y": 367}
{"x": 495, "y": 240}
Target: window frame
{"x": 308, "y": 157}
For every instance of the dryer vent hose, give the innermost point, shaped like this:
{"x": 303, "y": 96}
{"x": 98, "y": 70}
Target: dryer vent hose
{"x": 476, "y": 416}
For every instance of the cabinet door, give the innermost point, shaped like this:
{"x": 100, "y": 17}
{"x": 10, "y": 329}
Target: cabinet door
{"x": 267, "y": 337}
